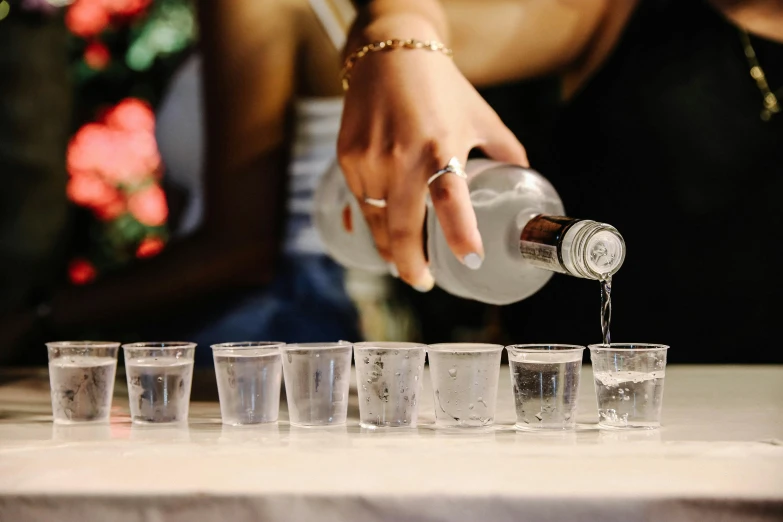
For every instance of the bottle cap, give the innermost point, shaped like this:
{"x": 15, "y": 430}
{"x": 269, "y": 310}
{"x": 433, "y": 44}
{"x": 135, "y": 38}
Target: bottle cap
{"x": 605, "y": 252}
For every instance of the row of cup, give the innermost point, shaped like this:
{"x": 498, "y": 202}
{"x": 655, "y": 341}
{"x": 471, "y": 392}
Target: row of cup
{"x": 545, "y": 383}
{"x": 82, "y": 374}
{"x": 545, "y": 380}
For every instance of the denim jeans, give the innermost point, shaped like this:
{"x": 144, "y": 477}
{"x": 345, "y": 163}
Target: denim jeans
{"x": 306, "y": 302}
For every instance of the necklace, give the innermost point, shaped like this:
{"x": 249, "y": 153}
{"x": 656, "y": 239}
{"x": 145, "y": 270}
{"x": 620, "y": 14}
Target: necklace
{"x": 771, "y": 104}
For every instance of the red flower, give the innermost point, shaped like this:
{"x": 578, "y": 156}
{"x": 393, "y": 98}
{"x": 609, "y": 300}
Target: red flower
{"x": 142, "y": 145}
{"x": 89, "y": 190}
{"x": 86, "y": 148}
{"x": 149, "y": 247}
{"x": 149, "y": 206}
{"x": 109, "y": 159}
{"x": 87, "y": 18}
{"x": 118, "y": 156}
{"x": 126, "y": 7}
{"x": 111, "y": 209}
{"x": 131, "y": 114}
{"x": 97, "y": 56}
{"x": 81, "y": 271}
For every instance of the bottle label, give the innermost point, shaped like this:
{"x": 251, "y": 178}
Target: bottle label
{"x": 541, "y": 240}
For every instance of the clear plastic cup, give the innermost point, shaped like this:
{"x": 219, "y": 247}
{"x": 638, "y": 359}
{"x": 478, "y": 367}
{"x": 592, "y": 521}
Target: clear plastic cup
{"x": 545, "y": 381}
{"x": 248, "y": 376}
{"x": 629, "y": 384}
{"x": 159, "y": 378}
{"x": 317, "y": 379}
{"x": 388, "y": 378}
{"x": 81, "y": 375}
{"x": 464, "y": 383}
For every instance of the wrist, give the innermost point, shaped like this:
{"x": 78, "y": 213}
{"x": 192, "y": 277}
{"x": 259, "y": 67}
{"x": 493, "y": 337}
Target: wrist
{"x": 393, "y": 26}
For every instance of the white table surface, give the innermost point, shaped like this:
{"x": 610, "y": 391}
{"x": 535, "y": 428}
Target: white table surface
{"x": 719, "y": 456}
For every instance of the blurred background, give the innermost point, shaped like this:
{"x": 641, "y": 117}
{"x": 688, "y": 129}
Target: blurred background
{"x": 101, "y": 159}
{"x": 123, "y": 215}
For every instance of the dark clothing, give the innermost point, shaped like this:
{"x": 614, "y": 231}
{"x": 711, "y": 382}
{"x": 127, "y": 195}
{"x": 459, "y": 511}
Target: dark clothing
{"x": 666, "y": 143}
{"x": 306, "y": 302}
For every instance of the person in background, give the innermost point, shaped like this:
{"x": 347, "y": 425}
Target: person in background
{"x": 253, "y": 268}
{"x": 668, "y": 127}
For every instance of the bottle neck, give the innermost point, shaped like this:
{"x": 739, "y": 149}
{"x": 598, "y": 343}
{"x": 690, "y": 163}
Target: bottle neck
{"x": 578, "y": 247}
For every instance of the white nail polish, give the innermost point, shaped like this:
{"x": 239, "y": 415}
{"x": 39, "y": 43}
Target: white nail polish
{"x": 472, "y": 261}
{"x": 422, "y": 288}
{"x": 393, "y": 270}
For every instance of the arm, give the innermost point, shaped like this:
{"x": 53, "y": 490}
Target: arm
{"x": 249, "y": 61}
{"x": 503, "y": 40}
{"x": 408, "y": 112}
{"x": 493, "y": 40}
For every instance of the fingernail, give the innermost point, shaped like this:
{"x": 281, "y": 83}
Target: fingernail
{"x": 393, "y": 270}
{"x": 472, "y": 261}
{"x": 425, "y": 284}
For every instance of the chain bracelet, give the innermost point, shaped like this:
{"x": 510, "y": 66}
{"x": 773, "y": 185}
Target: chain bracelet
{"x": 388, "y": 45}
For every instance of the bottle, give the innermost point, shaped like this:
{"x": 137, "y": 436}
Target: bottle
{"x": 342, "y": 227}
{"x": 521, "y": 220}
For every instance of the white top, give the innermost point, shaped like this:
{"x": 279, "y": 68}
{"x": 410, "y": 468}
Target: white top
{"x": 719, "y": 456}
{"x": 315, "y": 150}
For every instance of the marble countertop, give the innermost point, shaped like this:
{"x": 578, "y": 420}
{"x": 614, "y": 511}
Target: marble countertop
{"x": 719, "y": 456}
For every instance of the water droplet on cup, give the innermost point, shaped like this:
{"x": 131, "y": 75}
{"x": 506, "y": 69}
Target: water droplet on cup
{"x": 453, "y": 373}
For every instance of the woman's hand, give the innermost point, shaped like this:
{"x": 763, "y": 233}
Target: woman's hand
{"x": 407, "y": 113}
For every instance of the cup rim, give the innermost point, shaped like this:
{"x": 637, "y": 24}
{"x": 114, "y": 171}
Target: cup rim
{"x": 158, "y": 345}
{"x": 464, "y": 347}
{"x": 545, "y": 348}
{"x": 317, "y": 346}
{"x": 388, "y": 345}
{"x": 240, "y": 346}
{"x": 82, "y": 344}
{"x": 629, "y": 347}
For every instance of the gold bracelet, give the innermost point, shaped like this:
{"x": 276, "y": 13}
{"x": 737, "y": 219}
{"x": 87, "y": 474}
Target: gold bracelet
{"x": 388, "y": 45}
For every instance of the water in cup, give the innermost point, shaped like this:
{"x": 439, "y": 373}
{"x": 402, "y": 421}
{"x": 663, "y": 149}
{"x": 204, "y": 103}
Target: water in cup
{"x": 317, "y": 379}
{"x": 81, "y": 387}
{"x": 249, "y": 387}
{"x": 545, "y": 386}
{"x": 389, "y": 377}
{"x": 159, "y": 388}
{"x": 629, "y": 398}
{"x": 465, "y": 383}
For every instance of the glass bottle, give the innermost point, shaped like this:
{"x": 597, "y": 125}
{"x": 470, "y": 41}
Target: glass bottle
{"x": 520, "y": 217}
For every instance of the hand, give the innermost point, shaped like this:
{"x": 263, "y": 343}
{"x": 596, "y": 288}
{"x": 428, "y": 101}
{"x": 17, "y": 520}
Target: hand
{"x": 408, "y": 112}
